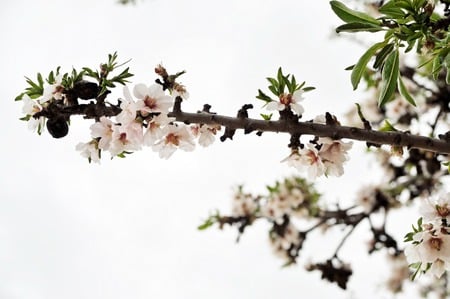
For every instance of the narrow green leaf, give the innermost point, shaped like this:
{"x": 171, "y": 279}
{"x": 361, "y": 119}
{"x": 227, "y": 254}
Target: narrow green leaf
{"x": 404, "y": 92}
{"x": 391, "y": 9}
{"x": 389, "y": 77}
{"x": 20, "y": 96}
{"x": 437, "y": 64}
{"x": 447, "y": 66}
{"x": 40, "y": 79}
{"x": 360, "y": 66}
{"x": 274, "y": 90}
{"x": 349, "y": 15}
{"x": 309, "y": 88}
{"x": 262, "y": 96}
{"x": 273, "y": 81}
{"x": 387, "y": 127}
{"x": 349, "y": 68}
{"x": 381, "y": 56}
{"x": 358, "y": 27}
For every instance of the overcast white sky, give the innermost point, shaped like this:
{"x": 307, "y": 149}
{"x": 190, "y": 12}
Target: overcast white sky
{"x": 127, "y": 228}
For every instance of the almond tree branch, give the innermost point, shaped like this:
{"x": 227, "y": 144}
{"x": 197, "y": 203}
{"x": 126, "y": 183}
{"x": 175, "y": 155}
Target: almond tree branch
{"x": 316, "y": 129}
{"x": 291, "y": 126}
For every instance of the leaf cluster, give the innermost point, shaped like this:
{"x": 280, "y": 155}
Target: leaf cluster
{"x": 35, "y": 89}
{"x": 102, "y": 75}
{"x": 279, "y": 86}
{"x": 407, "y": 24}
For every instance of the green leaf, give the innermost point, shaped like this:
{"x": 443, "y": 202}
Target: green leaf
{"x": 405, "y": 4}
{"x": 387, "y": 127}
{"x": 207, "y": 224}
{"x": 309, "y": 88}
{"x": 349, "y": 68}
{"x": 20, "y": 96}
{"x": 381, "y": 56}
{"x": 447, "y": 66}
{"x": 389, "y": 77}
{"x": 351, "y": 16}
{"x": 358, "y": 27}
{"x": 404, "y": 92}
{"x": 417, "y": 266}
{"x": 391, "y": 9}
{"x": 360, "y": 66}
{"x": 273, "y": 81}
{"x": 437, "y": 64}
{"x": 274, "y": 90}
{"x": 262, "y": 96}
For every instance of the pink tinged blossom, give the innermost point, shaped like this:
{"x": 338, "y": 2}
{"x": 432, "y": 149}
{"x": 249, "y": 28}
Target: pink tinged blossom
{"x": 174, "y": 137}
{"x": 288, "y": 100}
{"x": 152, "y": 99}
{"x": 30, "y": 108}
{"x": 294, "y": 160}
{"x": 433, "y": 248}
{"x": 129, "y": 108}
{"x": 333, "y": 154}
{"x": 437, "y": 208}
{"x": 306, "y": 159}
{"x": 53, "y": 91}
{"x": 312, "y": 161}
{"x": 155, "y": 128}
{"x": 103, "y": 129}
{"x": 205, "y": 133}
{"x": 243, "y": 204}
{"x": 127, "y": 137}
{"x": 89, "y": 150}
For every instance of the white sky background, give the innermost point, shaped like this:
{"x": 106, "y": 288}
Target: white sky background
{"x": 127, "y": 228}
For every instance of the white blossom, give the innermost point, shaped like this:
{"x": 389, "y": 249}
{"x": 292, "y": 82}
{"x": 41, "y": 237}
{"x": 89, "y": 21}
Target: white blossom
{"x": 89, "y": 150}
{"x": 312, "y": 161}
{"x": 129, "y": 108}
{"x": 283, "y": 201}
{"x": 175, "y": 136}
{"x": 333, "y": 154}
{"x": 127, "y": 137}
{"x": 433, "y": 247}
{"x": 288, "y": 100}
{"x": 437, "y": 208}
{"x": 152, "y": 99}
{"x": 103, "y": 129}
{"x": 243, "y": 204}
{"x": 366, "y": 198}
{"x": 30, "y": 108}
{"x": 205, "y": 133}
{"x": 155, "y": 128}
{"x": 53, "y": 91}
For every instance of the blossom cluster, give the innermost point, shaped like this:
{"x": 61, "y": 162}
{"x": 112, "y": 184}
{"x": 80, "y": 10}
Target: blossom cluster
{"x": 31, "y": 106}
{"x": 429, "y": 244}
{"x": 145, "y": 122}
{"x": 325, "y": 156}
{"x": 292, "y": 197}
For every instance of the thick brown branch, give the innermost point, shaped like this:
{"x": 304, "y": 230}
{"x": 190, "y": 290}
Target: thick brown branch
{"x": 320, "y": 130}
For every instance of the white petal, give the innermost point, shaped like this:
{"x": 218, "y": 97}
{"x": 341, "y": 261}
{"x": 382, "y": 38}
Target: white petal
{"x": 140, "y": 91}
{"x": 275, "y": 106}
{"x": 298, "y": 109}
